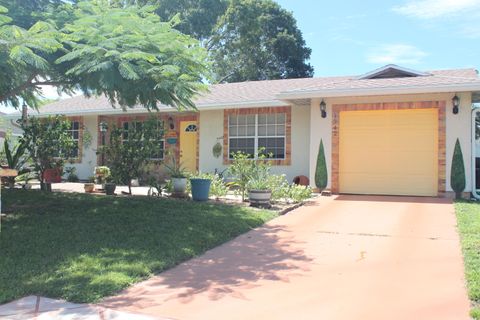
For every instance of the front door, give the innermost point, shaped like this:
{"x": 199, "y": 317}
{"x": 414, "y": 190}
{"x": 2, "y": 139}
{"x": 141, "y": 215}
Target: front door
{"x": 188, "y": 145}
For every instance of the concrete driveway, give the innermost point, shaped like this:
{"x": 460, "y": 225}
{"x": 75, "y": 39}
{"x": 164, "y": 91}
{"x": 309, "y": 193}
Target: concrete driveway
{"x": 345, "y": 257}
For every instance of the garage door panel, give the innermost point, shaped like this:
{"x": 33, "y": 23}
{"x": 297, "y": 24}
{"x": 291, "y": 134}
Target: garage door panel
{"x": 389, "y": 152}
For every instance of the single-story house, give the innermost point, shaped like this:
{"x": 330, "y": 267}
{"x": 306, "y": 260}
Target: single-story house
{"x": 389, "y": 131}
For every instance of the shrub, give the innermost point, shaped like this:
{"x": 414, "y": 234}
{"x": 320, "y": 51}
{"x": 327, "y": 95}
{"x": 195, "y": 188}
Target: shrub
{"x": 241, "y": 169}
{"x": 48, "y": 142}
{"x": 321, "y": 174}
{"x": 71, "y": 174}
{"x": 126, "y": 157}
{"x": 298, "y": 193}
{"x": 457, "y": 173}
{"x": 279, "y": 186}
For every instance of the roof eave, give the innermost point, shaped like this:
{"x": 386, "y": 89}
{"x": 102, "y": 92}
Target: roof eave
{"x": 329, "y": 93}
{"x": 200, "y": 107}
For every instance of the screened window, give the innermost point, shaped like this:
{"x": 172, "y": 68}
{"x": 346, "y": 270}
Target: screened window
{"x": 248, "y": 133}
{"x": 159, "y": 152}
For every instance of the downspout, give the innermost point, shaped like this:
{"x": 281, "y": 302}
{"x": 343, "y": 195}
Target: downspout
{"x": 474, "y": 153}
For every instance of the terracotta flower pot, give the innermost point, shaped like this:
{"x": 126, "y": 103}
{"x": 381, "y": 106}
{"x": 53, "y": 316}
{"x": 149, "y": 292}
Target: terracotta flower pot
{"x": 89, "y": 187}
{"x": 53, "y": 175}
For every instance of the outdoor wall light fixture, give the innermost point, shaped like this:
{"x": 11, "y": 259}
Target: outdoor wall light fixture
{"x": 455, "y": 103}
{"x": 171, "y": 124}
{"x": 323, "y": 109}
{"x": 103, "y": 126}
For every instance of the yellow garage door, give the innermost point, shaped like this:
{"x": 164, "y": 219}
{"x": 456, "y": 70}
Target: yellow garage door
{"x": 390, "y": 152}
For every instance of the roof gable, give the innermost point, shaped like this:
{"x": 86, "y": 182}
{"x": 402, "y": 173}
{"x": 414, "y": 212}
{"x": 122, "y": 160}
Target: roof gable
{"x": 392, "y": 71}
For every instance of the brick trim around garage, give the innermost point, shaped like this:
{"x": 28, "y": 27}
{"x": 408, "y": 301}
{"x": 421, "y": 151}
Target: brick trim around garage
{"x": 440, "y": 105}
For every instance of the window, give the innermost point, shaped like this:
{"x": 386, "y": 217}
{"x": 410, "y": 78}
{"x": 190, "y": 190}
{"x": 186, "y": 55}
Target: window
{"x": 75, "y": 133}
{"x": 158, "y": 153}
{"x": 191, "y": 128}
{"x": 250, "y": 132}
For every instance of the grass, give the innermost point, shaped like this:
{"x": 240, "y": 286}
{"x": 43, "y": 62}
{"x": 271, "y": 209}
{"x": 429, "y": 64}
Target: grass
{"x": 468, "y": 219}
{"x": 81, "y": 247}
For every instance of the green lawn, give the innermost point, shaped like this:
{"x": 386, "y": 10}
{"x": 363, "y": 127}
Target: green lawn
{"x": 82, "y": 247}
{"x": 468, "y": 217}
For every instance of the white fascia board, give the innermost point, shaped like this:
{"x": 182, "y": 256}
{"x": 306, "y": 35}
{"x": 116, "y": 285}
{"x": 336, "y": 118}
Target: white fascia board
{"x": 392, "y": 66}
{"x": 330, "y": 93}
{"x": 200, "y": 107}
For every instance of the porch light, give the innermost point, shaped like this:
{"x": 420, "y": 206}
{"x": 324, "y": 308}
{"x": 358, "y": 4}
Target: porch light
{"x": 323, "y": 109}
{"x": 103, "y": 126}
{"x": 171, "y": 123}
{"x": 455, "y": 103}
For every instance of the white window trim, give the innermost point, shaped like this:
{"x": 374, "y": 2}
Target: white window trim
{"x": 256, "y": 137}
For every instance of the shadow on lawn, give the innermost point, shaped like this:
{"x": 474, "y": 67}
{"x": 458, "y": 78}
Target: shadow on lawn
{"x": 82, "y": 248}
{"x": 260, "y": 255}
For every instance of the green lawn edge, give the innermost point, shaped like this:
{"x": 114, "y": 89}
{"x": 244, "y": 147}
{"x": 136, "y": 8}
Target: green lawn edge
{"x": 468, "y": 222}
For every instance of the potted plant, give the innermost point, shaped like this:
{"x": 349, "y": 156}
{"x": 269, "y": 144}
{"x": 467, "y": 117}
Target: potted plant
{"x": 101, "y": 174}
{"x": 178, "y": 176}
{"x": 110, "y": 187}
{"x": 258, "y": 185}
{"x": 89, "y": 187}
{"x": 259, "y": 192}
{"x": 200, "y": 187}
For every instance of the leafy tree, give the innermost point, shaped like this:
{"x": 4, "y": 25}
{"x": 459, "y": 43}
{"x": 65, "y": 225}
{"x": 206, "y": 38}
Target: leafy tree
{"x": 248, "y": 39}
{"x": 198, "y": 18}
{"x": 130, "y": 150}
{"x": 48, "y": 142}
{"x": 258, "y": 40}
{"x": 26, "y": 13}
{"x": 126, "y": 54}
{"x": 457, "y": 172}
{"x": 321, "y": 174}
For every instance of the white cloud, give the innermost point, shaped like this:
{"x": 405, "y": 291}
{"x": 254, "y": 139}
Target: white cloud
{"x": 430, "y": 9}
{"x": 396, "y": 54}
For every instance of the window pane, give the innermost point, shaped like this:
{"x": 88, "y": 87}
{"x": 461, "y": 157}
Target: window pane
{"x": 76, "y": 125}
{"x": 280, "y": 118}
{"x": 251, "y": 130}
{"x": 242, "y": 131}
{"x": 232, "y": 119}
{"x": 262, "y": 131}
{"x": 271, "y": 118}
{"x": 245, "y": 145}
{"x": 270, "y": 130}
{"x": 262, "y": 119}
{"x": 75, "y": 135}
{"x": 251, "y": 119}
{"x": 232, "y": 131}
{"x": 273, "y": 147}
{"x": 242, "y": 120}
{"x": 280, "y": 130}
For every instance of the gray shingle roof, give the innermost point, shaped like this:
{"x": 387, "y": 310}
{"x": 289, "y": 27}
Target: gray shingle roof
{"x": 241, "y": 93}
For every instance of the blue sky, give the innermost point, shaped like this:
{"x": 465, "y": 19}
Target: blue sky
{"x": 354, "y": 37}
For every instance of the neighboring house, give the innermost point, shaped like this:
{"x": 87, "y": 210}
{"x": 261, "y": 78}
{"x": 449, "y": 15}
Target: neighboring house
{"x": 8, "y": 126}
{"x": 390, "y": 131}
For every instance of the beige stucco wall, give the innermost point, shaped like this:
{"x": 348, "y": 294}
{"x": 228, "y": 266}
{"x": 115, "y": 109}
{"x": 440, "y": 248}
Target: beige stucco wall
{"x": 211, "y": 131}
{"x": 458, "y": 126}
{"x": 89, "y": 157}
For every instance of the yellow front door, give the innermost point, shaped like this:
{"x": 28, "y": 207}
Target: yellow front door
{"x": 389, "y": 152}
{"x": 188, "y": 145}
